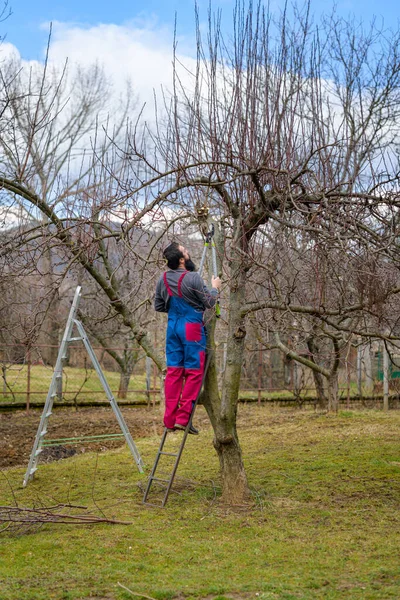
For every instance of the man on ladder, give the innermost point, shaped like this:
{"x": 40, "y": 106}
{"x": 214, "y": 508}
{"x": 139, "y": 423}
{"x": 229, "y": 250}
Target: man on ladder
{"x": 182, "y": 294}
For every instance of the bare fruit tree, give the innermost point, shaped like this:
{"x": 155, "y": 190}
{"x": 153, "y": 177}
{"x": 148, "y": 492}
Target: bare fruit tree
{"x": 286, "y": 133}
{"x": 292, "y": 128}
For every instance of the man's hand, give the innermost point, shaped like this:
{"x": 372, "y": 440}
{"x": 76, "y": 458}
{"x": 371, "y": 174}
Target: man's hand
{"x": 216, "y": 283}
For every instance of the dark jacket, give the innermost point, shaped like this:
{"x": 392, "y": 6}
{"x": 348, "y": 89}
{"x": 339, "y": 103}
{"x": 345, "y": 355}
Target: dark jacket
{"x": 193, "y": 291}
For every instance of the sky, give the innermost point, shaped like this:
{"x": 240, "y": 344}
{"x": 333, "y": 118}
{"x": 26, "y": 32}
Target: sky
{"x": 27, "y": 27}
{"x": 132, "y": 39}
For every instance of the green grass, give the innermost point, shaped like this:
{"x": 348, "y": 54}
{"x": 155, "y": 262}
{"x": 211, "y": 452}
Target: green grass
{"x": 73, "y": 379}
{"x": 325, "y": 523}
{"x": 307, "y": 392}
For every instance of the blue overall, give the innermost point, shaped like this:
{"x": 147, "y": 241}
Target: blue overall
{"x": 185, "y": 351}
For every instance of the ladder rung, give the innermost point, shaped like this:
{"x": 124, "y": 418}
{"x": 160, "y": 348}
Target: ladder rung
{"x": 169, "y": 453}
{"x": 31, "y": 472}
{"x": 38, "y": 451}
{"x": 58, "y": 376}
{"x": 75, "y": 339}
{"x": 43, "y": 433}
{"x": 48, "y": 414}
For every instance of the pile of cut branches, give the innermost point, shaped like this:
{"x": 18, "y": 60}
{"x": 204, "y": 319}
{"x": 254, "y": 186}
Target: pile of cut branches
{"x": 22, "y": 519}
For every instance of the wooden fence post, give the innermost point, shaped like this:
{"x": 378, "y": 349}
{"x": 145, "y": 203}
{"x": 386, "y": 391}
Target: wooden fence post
{"x": 28, "y": 381}
{"x": 385, "y": 378}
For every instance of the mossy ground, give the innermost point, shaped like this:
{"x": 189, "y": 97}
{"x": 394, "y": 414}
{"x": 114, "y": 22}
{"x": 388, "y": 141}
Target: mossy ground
{"x": 325, "y": 522}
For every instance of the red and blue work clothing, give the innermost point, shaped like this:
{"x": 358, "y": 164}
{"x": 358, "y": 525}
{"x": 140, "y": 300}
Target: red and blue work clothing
{"x": 183, "y": 295}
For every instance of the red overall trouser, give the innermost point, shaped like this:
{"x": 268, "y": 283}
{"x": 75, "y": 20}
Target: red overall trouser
{"x": 185, "y": 351}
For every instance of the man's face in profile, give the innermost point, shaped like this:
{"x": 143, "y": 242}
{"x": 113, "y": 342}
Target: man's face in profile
{"x": 189, "y": 264}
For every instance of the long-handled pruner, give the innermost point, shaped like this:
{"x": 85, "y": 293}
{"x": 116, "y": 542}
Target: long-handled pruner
{"x": 209, "y": 242}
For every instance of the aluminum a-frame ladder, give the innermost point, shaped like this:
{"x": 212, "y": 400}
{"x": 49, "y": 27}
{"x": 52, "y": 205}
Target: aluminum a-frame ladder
{"x": 209, "y": 242}
{"x": 40, "y": 441}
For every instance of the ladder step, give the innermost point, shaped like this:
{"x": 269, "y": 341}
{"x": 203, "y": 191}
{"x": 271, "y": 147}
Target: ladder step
{"x": 43, "y": 433}
{"x": 169, "y": 453}
{"x": 38, "y": 451}
{"x": 75, "y": 339}
{"x": 48, "y": 414}
{"x": 32, "y": 471}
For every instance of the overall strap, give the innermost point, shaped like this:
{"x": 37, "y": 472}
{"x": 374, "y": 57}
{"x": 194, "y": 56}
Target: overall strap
{"x": 180, "y": 283}
{"x": 166, "y": 285}
{"x": 170, "y": 293}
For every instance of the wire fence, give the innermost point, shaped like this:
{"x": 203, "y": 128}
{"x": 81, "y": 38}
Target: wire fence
{"x": 26, "y": 374}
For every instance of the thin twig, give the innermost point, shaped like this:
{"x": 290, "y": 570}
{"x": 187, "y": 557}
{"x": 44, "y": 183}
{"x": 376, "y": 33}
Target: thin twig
{"x": 135, "y": 593}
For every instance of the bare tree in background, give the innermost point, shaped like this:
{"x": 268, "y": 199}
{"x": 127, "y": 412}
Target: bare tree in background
{"x": 300, "y": 272}
{"x": 61, "y": 198}
{"x": 40, "y": 145}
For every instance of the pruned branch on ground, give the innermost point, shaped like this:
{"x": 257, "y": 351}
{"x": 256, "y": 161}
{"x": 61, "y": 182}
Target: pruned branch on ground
{"x": 19, "y": 516}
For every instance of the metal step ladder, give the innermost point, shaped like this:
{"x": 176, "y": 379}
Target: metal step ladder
{"x": 167, "y": 482}
{"x": 39, "y": 442}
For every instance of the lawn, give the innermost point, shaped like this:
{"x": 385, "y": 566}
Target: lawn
{"x": 75, "y": 379}
{"x": 324, "y": 523}
{"x": 87, "y": 383}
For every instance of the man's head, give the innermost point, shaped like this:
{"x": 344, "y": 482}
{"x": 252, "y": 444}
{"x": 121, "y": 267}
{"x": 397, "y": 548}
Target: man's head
{"x": 178, "y": 257}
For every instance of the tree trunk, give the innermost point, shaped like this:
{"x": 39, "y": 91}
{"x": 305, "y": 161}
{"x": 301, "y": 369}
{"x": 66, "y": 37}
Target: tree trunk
{"x": 130, "y": 359}
{"x": 333, "y": 388}
{"x": 124, "y": 380}
{"x": 222, "y": 409}
{"x": 322, "y": 400}
{"x": 333, "y": 379}
{"x": 235, "y": 488}
{"x": 50, "y": 326}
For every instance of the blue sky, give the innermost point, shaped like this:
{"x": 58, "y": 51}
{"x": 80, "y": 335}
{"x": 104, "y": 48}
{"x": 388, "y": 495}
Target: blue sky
{"x": 132, "y": 40}
{"x": 25, "y": 29}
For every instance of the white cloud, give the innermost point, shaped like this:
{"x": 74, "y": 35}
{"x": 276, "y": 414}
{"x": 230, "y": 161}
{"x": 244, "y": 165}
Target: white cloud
{"x": 140, "y": 54}
{"x": 9, "y": 52}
